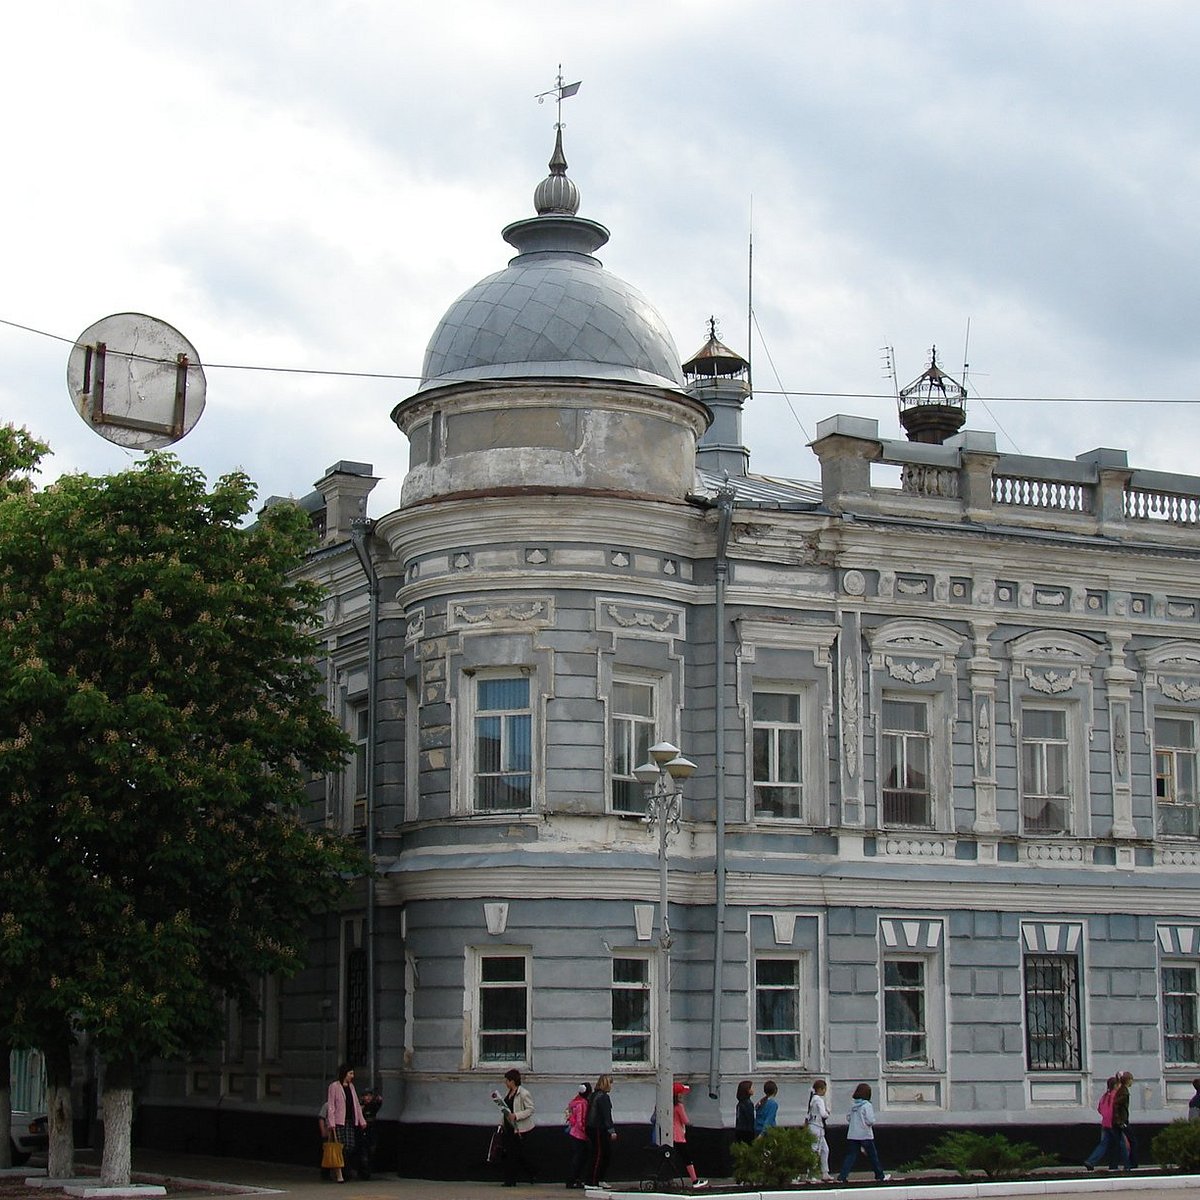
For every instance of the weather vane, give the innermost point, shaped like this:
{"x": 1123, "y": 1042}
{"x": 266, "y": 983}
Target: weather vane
{"x": 560, "y": 91}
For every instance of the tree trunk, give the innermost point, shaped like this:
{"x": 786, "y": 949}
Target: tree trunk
{"x": 116, "y": 1105}
{"x": 60, "y": 1161}
{"x": 5, "y": 1104}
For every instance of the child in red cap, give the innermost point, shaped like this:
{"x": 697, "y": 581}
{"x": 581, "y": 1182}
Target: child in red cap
{"x": 679, "y": 1136}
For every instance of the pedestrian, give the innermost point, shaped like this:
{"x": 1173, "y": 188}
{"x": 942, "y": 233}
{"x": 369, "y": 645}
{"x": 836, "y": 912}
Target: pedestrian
{"x": 1110, "y": 1140}
{"x": 516, "y": 1105}
{"x": 1126, "y": 1143}
{"x": 602, "y": 1131}
{"x": 576, "y": 1123}
{"x": 860, "y": 1134}
{"x": 766, "y": 1110}
{"x": 372, "y": 1102}
{"x": 323, "y": 1127}
{"x": 743, "y": 1117}
{"x": 679, "y": 1126}
{"x": 816, "y": 1120}
{"x": 1194, "y": 1102}
{"x": 345, "y": 1117}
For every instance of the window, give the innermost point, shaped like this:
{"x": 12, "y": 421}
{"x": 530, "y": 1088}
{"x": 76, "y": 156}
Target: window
{"x": 503, "y": 743}
{"x": 904, "y": 772}
{"x": 777, "y": 1009}
{"x": 1052, "y": 1012}
{"x": 632, "y": 721}
{"x": 1045, "y": 775}
{"x": 1181, "y": 1033}
{"x": 905, "y": 1027}
{"x": 631, "y": 1011}
{"x": 502, "y": 1033}
{"x": 359, "y": 729}
{"x": 778, "y": 757}
{"x": 1175, "y": 775}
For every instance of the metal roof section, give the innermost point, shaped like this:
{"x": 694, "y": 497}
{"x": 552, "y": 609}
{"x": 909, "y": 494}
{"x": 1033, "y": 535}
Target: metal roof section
{"x": 554, "y": 311}
{"x": 766, "y": 490}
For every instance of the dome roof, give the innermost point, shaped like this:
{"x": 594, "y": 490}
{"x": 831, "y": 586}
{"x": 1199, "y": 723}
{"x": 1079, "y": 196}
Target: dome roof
{"x": 553, "y": 311}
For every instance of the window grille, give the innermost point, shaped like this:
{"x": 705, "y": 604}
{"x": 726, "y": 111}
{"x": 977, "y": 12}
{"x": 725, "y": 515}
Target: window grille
{"x": 1181, "y": 1033}
{"x": 1052, "y": 1034}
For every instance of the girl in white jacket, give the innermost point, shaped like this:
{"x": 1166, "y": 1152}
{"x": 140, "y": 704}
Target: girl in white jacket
{"x": 860, "y": 1133}
{"x": 818, "y": 1115}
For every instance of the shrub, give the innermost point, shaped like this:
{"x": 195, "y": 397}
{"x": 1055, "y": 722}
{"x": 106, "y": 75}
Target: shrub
{"x": 967, "y": 1152}
{"x": 776, "y": 1158}
{"x": 1178, "y": 1146}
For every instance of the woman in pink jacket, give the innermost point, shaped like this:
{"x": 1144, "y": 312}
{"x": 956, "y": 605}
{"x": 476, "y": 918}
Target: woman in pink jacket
{"x": 345, "y": 1117}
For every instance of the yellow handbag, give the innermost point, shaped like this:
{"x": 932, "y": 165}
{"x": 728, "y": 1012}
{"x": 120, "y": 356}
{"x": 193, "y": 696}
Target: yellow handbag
{"x": 331, "y": 1155}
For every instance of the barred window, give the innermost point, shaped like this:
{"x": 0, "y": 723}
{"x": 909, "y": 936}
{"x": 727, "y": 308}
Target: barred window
{"x": 1181, "y": 1033}
{"x": 1052, "y": 1033}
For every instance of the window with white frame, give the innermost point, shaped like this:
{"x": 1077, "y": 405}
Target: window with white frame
{"x": 502, "y": 1008}
{"x": 1045, "y": 770}
{"x": 632, "y": 1011}
{"x": 1180, "y": 1014}
{"x": 778, "y": 1010}
{"x": 632, "y": 721}
{"x": 1052, "y": 1022}
{"x": 905, "y": 745}
{"x": 905, "y": 1013}
{"x": 503, "y": 743}
{"x": 1175, "y": 774}
{"x": 360, "y": 724}
{"x": 778, "y": 754}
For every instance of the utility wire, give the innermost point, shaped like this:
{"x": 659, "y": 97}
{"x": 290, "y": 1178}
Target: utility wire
{"x": 780, "y": 391}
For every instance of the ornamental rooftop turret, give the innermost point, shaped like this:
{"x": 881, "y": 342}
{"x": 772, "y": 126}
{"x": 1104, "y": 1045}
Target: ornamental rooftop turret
{"x": 551, "y": 374}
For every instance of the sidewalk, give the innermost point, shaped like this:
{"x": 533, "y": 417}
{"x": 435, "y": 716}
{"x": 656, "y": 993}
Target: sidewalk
{"x": 198, "y": 1177}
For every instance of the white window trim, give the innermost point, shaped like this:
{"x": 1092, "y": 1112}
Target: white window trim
{"x": 1165, "y": 712}
{"x": 1166, "y": 963}
{"x": 472, "y": 995}
{"x": 806, "y": 1033}
{"x": 910, "y": 938}
{"x": 658, "y": 684}
{"x": 651, "y": 958}
{"x": 938, "y": 736}
{"x": 463, "y": 800}
{"x": 1077, "y": 767}
{"x": 350, "y": 695}
{"x": 812, "y": 812}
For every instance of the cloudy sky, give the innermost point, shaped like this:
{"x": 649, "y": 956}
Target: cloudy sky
{"x": 309, "y": 185}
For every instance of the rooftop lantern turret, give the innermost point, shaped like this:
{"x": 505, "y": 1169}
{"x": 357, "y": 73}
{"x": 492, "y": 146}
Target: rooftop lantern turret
{"x": 720, "y": 378}
{"x": 934, "y": 406}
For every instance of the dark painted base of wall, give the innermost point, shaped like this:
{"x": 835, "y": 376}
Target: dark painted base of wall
{"x": 439, "y": 1151}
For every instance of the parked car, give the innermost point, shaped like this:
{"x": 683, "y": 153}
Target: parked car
{"x": 28, "y": 1135}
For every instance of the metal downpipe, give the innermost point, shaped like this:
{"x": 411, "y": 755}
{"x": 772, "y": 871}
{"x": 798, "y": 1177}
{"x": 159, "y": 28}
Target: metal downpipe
{"x": 725, "y": 499}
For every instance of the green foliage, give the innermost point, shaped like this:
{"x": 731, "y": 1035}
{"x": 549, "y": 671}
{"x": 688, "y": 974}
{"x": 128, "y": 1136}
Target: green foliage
{"x": 20, "y": 453}
{"x": 160, "y": 718}
{"x": 1178, "y": 1146}
{"x": 968, "y": 1153}
{"x": 775, "y": 1158}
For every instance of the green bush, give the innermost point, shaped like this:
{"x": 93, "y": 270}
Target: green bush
{"x": 968, "y": 1153}
{"x": 1178, "y": 1145}
{"x": 776, "y": 1158}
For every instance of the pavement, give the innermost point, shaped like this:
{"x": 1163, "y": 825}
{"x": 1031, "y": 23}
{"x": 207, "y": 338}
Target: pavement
{"x": 197, "y": 1177}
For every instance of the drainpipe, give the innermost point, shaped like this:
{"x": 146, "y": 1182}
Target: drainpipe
{"x": 725, "y": 499}
{"x": 361, "y": 529}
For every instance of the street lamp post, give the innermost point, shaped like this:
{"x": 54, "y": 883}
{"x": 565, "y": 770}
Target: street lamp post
{"x": 664, "y": 807}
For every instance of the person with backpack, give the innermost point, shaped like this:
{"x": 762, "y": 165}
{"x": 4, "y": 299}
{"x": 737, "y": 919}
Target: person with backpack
{"x": 602, "y": 1132}
{"x": 576, "y": 1124}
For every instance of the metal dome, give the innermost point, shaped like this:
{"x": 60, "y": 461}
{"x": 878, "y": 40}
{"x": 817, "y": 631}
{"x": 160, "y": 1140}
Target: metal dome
{"x": 553, "y": 311}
